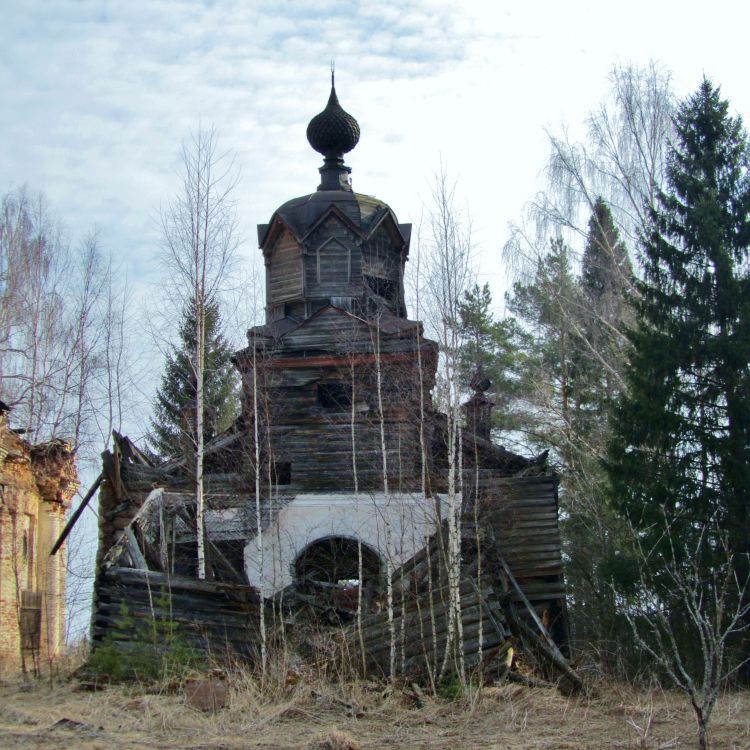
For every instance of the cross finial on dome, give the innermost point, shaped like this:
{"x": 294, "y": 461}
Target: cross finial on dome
{"x": 333, "y": 133}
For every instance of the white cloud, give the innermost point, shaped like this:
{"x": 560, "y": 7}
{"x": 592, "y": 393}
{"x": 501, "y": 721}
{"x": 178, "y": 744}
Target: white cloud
{"x": 98, "y": 96}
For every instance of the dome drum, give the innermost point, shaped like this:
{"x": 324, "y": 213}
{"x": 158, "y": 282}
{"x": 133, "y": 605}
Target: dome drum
{"x": 334, "y": 247}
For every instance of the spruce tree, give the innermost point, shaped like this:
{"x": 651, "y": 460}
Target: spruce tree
{"x": 176, "y": 394}
{"x": 606, "y": 279}
{"x": 682, "y": 430}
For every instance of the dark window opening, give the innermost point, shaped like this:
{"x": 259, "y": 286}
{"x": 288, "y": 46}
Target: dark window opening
{"x": 385, "y": 288}
{"x": 294, "y": 309}
{"x": 283, "y": 472}
{"x": 335, "y": 395}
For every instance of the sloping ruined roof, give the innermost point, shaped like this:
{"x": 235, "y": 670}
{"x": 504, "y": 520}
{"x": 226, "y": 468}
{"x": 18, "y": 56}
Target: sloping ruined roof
{"x": 334, "y": 329}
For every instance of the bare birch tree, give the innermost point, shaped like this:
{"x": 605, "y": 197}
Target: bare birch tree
{"x": 448, "y": 274}
{"x": 64, "y": 364}
{"x": 622, "y": 160}
{"x": 199, "y": 229}
{"x": 49, "y": 332}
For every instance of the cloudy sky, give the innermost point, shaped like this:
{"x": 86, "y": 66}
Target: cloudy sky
{"x": 98, "y": 95}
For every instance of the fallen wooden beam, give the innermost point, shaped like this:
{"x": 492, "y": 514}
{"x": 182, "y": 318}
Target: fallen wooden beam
{"x": 76, "y": 515}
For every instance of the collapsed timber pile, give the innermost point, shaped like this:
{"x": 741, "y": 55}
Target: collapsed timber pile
{"x": 510, "y": 583}
{"x": 145, "y": 587}
{"x": 499, "y": 611}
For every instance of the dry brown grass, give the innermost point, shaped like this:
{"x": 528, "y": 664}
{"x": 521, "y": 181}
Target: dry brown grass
{"x": 334, "y": 740}
{"x": 296, "y": 713}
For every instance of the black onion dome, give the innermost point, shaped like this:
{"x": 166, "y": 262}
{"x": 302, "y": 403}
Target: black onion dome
{"x": 333, "y": 132}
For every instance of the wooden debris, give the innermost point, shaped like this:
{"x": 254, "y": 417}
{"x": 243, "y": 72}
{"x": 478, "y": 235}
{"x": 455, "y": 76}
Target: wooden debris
{"x": 76, "y": 515}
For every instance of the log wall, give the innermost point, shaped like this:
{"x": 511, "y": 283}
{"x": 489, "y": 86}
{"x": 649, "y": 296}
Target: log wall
{"x": 217, "y": 619}
{"x": 285, "y": 270}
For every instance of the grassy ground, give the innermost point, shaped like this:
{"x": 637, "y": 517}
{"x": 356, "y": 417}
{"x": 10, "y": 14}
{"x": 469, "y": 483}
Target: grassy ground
{"x": 365, "y": 715}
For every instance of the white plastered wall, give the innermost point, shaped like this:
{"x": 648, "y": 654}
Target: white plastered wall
{"x": 396, "y": 526}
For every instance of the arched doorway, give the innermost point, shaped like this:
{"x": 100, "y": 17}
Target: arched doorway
{"x": 329, "y": 569}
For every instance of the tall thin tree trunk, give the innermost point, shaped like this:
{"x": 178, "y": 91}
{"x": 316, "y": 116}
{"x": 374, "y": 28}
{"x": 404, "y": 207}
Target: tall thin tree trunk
{"x": 259, "y": 516}
{"x": 199, "y": 499}
{"x": 386, "y": 492}
{"x": 355, "y": 476}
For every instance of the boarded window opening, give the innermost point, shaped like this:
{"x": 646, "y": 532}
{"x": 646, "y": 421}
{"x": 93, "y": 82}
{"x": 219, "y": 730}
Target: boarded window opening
{"x": 333, "y": 264}
{"x": 30, "y": 622}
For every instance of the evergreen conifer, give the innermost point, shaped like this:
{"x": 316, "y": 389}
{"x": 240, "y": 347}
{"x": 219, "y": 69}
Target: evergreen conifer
{"x": 682, "y": 431}
{"x": 176, "y": 395}
{"x": 488, "y": 348}
{"x": 606, "y": 278}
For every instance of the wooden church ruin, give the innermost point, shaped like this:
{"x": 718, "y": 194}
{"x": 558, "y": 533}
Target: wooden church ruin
{"x": 329, "y": 492}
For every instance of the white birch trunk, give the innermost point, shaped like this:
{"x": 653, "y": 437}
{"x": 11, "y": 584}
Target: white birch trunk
{"x": 259, "y": 515}
{"x": 386, "y": 492}
{"x": 199, "y": 372}
{"x": 355, "y": 475}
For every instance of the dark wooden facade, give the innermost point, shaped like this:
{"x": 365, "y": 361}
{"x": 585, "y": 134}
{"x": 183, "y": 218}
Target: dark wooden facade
{"x": 336, "y": 368}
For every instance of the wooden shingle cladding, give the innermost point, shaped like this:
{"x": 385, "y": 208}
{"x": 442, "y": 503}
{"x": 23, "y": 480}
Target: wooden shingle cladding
{"x": 285, "y": 276}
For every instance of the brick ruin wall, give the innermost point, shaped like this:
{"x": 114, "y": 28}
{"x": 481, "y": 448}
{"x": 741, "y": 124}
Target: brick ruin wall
{"x": 36, "y": 486}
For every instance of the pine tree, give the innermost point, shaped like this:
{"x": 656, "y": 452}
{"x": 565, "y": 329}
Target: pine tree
{"x": 546, "y": 310}
{"x": 487, "y": 346}
{"x": 177, "y": 392}
{"x": 682, "y": 431}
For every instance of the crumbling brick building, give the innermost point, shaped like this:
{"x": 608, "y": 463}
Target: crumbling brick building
{"x": 37, "y": 483}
